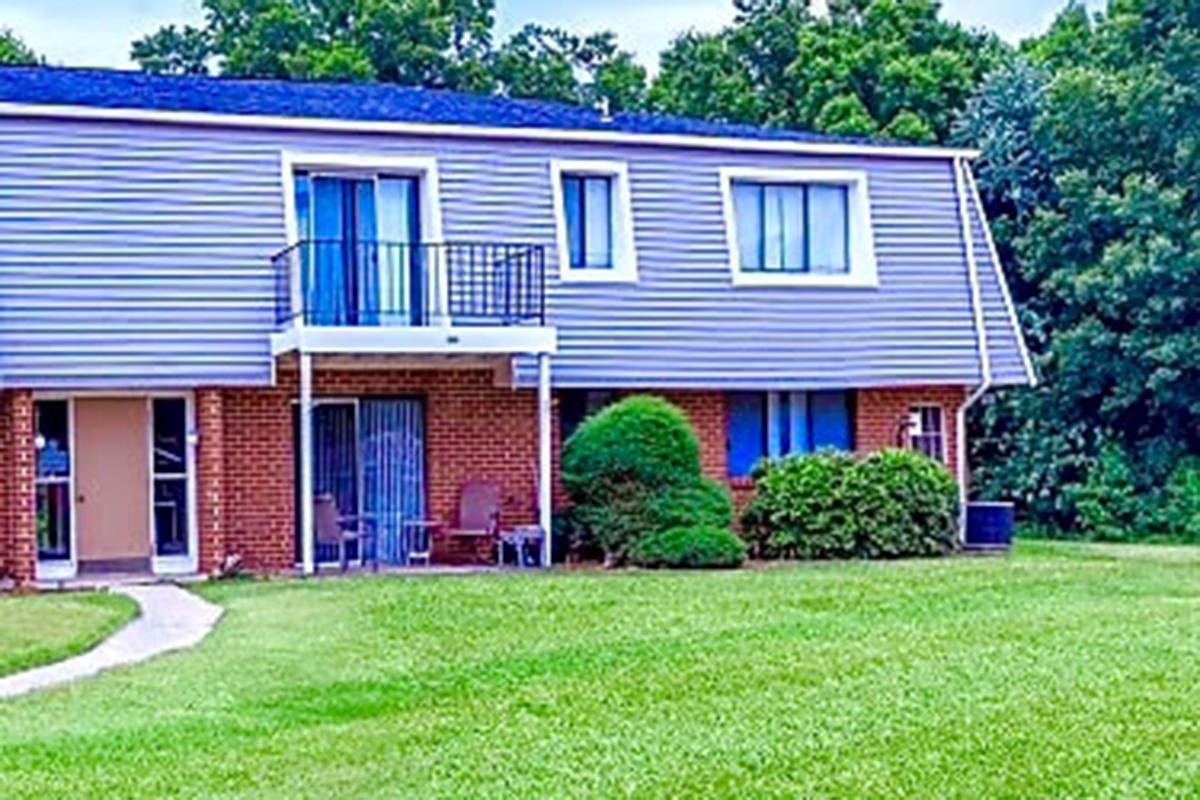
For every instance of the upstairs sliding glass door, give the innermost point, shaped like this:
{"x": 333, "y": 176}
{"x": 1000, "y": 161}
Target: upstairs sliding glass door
{"x": 361, "y": 263}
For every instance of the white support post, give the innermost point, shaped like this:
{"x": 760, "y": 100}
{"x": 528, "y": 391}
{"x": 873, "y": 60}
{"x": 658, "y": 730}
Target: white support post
{"x": 545, "y": 475}
{"x": 307, "y": 537}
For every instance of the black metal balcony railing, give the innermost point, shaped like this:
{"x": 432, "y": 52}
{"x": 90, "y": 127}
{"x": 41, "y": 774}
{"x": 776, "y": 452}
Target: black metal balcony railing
{"x": 369, "y": 283}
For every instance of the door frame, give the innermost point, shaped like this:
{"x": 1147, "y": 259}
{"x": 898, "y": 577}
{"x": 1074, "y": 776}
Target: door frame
{"x": 356, "y": 401}
{"x": 166, "y": 565}
{"x": 186, "y": 564}
{"x": 66, "y": 568}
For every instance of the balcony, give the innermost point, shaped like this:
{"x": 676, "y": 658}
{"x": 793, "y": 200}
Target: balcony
{"x": 347, "y": 296}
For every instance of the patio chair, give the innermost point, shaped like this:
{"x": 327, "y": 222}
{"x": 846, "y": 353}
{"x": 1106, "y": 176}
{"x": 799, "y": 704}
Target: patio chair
{"x": 336, "y": 530}
{"x": 478, "y": 510}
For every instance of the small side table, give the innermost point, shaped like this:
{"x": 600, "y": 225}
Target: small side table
{"x": 519, "y": 537}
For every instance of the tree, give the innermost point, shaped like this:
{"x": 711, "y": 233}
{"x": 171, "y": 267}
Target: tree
{"x": 889, "y": 68}
{"x": 1090, "y": 166}
{"x": 14, "y": 51}
{"x": 547, "y": 63}
{"x": 433, "y": 43}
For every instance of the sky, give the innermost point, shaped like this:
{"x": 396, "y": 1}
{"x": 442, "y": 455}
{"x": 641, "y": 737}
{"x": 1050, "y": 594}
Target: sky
{"x": 97, "y": 33}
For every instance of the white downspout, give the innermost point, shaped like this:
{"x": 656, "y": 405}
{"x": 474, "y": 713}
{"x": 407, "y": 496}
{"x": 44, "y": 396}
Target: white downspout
{"x": 545, "y": 471}
{"x": 307, "y": 539}
{"x": 981, "y": 338}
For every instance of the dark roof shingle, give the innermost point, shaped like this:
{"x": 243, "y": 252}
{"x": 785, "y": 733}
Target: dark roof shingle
{"x": 375, "y": 102}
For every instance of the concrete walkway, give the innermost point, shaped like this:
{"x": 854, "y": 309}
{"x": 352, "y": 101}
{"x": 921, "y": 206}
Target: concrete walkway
{"x": 170, "y": 619}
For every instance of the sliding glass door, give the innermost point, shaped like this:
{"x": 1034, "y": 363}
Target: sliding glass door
{"x": 360, "y": 259}
{"x": 368, "y": 455}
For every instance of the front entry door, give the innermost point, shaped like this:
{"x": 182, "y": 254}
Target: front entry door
{"x": 112, "y": 484}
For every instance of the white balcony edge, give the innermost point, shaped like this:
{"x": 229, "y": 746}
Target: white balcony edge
{"x": 423, "y": 340}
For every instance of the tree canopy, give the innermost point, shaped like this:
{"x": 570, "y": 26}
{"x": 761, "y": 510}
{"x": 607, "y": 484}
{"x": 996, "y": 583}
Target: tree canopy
{"x": 1090, "y": 168}
{"x": 433, "y": 43}
{"x": 13, "y": 49}
{"x": 890, "y": 68}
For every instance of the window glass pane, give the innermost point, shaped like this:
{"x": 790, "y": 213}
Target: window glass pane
{"x": 748, "y": 220}
{"x": 829, "y": 419}
{"x": 746, "y": 433}
{"x": 828, "y": 225}
{"x": 170, "y": 437}
{"x": 170, "y": 516}
{"x": 773, "y": 217}
{"x": 303, "y": 204}
{"x": 54, "y": 521}
{"x": 797, "y": 423}
{"x": 791, "y": 224}
{"x": 573, "y": 210}
{"x": 598, "y": 226}
{"x": 53, "y": 441}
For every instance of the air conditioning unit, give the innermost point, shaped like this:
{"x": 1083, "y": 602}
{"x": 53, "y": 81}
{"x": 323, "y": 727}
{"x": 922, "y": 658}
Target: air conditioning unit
{"x": 989, "y": 526}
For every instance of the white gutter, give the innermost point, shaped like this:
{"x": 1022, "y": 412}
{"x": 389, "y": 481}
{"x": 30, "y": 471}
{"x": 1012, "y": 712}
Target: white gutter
{"x": 208, "y": 118}
{"x": 985, "y": 360}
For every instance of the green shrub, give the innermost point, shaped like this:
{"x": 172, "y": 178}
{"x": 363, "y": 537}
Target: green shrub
{"x": 901, "y": 503}
{"x": 890, "y": 504}
{"x": 1181, "y": 502}
{"x": 1108, "y": 504}
{"x": 689, "y": 547}
{"x": 644, "y": 442}
{"x": 797, "y": 511}
{"x": 634, "y": 469}
{"x": 704, "y": 503}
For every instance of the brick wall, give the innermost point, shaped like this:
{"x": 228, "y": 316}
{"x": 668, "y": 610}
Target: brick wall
{"x": 474, "y": 430}
{"x": 18, "y": 534}
{"x": 880, "y": 413}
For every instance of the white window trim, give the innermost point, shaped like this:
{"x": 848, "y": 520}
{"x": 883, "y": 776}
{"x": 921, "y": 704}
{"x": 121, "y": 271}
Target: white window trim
{"x": 917, "y": 408}
{"x": 425, "y": 168}
{"x": 624, "y": 268}
{"x": 863, "y": 272}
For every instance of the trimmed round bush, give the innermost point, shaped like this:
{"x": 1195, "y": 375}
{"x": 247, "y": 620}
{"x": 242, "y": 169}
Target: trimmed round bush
{"x": 891, "y": 504}
{"x": 634, "y": 469}
{"x": 640, "y": 441}
{"x": 696, "y": 547}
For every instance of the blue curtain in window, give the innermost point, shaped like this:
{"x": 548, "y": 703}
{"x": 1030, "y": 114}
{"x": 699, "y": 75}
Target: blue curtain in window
{"x": 587, "y": 206}
{"x": 391, "y": 445}
{"x": 829, "y": 414}
{"x": 326, "y": 292}
{"x": 746, "y": 440}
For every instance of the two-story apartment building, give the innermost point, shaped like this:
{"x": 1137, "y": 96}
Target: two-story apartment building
{"x": 222, "y": 299}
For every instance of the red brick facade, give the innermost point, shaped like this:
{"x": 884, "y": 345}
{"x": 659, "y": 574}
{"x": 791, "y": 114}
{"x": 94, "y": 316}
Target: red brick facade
{"x": 475, "y": 430}
{"x": 18, "y": 533}
{"x": 880, "y": 415}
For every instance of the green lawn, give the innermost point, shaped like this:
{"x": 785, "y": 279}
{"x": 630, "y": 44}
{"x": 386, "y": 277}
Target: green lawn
{"x": 38, "y": 629}
{"x": 1059, "y": 671}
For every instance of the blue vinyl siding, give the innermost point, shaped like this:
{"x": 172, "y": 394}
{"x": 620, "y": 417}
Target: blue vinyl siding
{"x": 137, "y": 255}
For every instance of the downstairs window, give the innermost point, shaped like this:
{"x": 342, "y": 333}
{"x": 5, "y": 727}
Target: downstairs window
{"x": 773, "y": 424}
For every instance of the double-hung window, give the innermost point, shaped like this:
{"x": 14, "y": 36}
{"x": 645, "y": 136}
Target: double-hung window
{"x": 594, "y": 222}
{"x": 926, "y": 433}
{"x": 774, "y": 424}
{"x": 794, "y": 227}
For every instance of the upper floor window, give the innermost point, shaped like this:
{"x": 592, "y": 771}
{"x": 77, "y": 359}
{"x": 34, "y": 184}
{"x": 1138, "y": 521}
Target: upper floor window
{"x": 587, "y": 205}
{"x": 798, "y": 227}
{"x": 774, "y": 424}
{"x": 594, "y": 221}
